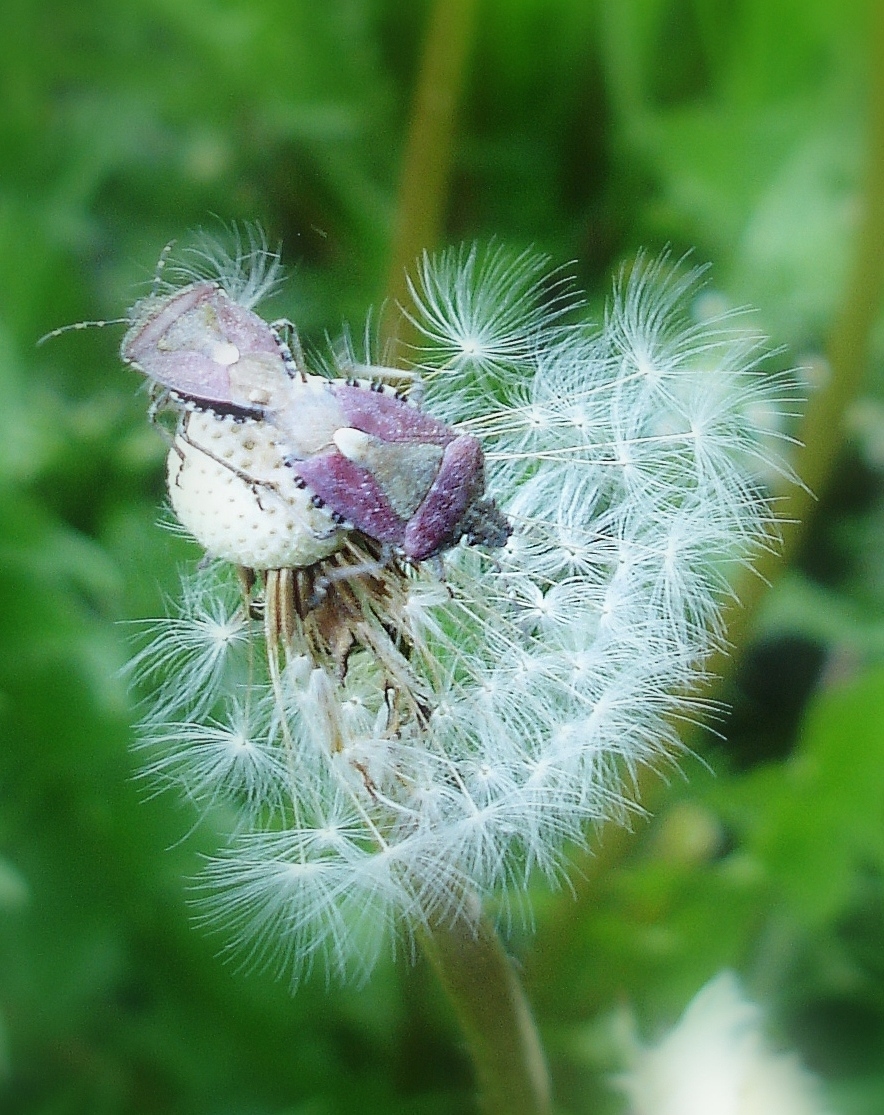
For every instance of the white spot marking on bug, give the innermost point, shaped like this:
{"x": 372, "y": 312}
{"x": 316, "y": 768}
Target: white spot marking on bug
{"x": 404, "y": 470}
{"x": 225, "y": 353}
{"x": 354, "y": 444}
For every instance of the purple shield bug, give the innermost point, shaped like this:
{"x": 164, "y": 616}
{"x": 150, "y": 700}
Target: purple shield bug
{"x": 201, "y": 345}
{"x": 373, "y": 461}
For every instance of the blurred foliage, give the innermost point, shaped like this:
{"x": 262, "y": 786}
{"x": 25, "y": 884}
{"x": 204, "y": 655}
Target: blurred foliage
{"x": 734, "y": 127}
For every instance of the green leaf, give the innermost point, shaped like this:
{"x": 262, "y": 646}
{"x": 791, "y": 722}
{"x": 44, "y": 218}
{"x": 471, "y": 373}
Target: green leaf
{"x": 821, "y": 814}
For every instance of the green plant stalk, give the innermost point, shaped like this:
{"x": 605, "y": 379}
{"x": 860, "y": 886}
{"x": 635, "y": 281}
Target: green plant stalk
{"x": 466, "y": 954}
{"x": 822, "y": 429}
{"x": 821, "y": 436}
{"x": 492, "y": 1009}
{"x": 426, "y": 164}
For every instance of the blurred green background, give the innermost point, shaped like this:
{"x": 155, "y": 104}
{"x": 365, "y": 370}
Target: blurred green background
{"x": 743, "y": 129}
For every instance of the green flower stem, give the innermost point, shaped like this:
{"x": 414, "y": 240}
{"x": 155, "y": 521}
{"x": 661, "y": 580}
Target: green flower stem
{"x": 426, "y": 165}
{"x": 493, "y": 1012}
{"x": 822, "y": 430}
{"x": 821, "y": 436}
{"x": 467, "y": 955}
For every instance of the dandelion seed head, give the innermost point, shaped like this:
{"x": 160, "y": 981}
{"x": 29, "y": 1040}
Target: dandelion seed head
{"x": 401, "y": 740}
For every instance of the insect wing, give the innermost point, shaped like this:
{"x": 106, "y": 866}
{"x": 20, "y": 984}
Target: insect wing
{"x": 200, "y": 344}
{"x": 354, "y": 493}
{"x": 459, "y": 482}
{"x": 395, "y": 473}
{"x": 384, "y": 415}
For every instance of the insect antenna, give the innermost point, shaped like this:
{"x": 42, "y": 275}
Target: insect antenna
{"x": 81, "y": 325}
{"x": 160, "y": 267}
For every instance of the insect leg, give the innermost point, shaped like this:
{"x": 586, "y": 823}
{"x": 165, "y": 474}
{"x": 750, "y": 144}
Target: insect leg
{"x": 404, "y": 382}
{"x": 290, "y": 349}
{"x": 347, "y": 572}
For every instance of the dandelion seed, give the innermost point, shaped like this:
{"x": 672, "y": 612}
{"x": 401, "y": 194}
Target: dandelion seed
{"x": 195, "y": 654}
{"x": 243, "y": 264}
{"x": 236, "y": 759}
{"x": 405, "y": 732}
{"x": 479, "y": 312}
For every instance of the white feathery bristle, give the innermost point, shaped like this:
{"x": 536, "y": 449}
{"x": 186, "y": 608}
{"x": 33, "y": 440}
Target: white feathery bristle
{"x": 239, "y": 259}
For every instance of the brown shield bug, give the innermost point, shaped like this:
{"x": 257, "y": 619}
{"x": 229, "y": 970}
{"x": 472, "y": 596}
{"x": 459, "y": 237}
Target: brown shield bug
{"x": 324, "y": 456}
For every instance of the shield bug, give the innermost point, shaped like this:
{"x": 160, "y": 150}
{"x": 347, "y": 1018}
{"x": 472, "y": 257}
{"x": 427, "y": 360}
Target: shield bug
{"x": 271, "y": 466}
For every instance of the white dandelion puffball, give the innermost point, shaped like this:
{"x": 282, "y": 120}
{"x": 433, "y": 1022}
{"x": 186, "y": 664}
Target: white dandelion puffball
{"x": 399, "y": 711}
{"x": 717, "y": 1061}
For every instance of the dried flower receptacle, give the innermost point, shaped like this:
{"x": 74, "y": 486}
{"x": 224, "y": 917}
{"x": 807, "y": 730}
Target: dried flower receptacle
{"x": 443, "y": 701}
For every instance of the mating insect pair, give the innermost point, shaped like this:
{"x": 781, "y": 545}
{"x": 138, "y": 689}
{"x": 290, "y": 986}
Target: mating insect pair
{"x": 273, "y": 467}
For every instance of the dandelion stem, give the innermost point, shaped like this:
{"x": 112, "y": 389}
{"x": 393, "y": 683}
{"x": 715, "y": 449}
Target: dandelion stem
{"x": 822, "y": 429}
{"x": 426, "y": 164}
{"x": 478, "y": 976}
{"x": 821, "y": 436}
